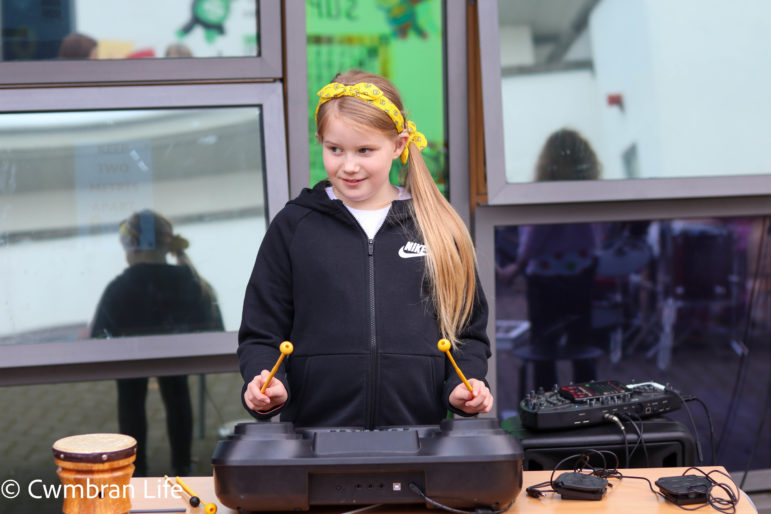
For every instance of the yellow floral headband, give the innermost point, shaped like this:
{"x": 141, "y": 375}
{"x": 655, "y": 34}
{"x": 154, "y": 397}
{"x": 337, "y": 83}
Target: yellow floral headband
{"x": 375, "y": 97}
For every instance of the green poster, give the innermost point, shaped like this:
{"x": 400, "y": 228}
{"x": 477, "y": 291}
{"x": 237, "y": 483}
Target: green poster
{"x": 399, "y": 39}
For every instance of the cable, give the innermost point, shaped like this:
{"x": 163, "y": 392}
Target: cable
{"x": 699, "y": 452}
{"x": 767, "y": 403}
{"x": 727, "y": 505}
{"x": 640, "y": 439}
{"x": 480, "y": 510}
{"x": 581, "y": 461}
{"x": 759, "y": 431}
{"x": 742, "y": 372}
{"x": 713, "y": 456}
{"x": 611, "y": 417}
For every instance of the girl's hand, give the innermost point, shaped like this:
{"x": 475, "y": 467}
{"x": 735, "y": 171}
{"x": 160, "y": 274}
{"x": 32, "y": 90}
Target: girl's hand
{"x": 275, "y": 394}
{"x": 482, "y": 400}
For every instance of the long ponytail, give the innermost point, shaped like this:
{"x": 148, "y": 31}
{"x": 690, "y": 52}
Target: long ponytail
{"x": 450, "y": 258}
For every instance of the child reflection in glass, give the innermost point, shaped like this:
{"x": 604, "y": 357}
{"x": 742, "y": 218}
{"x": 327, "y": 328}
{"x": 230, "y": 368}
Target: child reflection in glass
{"x": 559, "y": 263}
{"x": 152, "y": 296}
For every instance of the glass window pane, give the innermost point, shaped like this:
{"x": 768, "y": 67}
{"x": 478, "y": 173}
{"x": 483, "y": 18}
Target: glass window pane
{"x": 69, "y": 179}
{"x": 660, "y": 89}
{"x": 94, "y": 29}
{"x": 90, "y": 407}
{"x": 683, "y": 302}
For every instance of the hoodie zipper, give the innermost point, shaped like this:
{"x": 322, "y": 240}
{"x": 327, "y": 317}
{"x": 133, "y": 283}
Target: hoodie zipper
{"x": 372, "y": 405}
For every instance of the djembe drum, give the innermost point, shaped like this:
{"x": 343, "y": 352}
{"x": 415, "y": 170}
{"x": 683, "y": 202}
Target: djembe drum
{"x": 95, "y": 471}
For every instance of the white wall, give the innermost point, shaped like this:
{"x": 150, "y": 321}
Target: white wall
{"x": 695, "y": 84}
{"x": 534, "y": 106}
{"x": 619, "y": 32}
{"x": 713, "y": 85}
{"x": 153, "y": 24}
{"x": 59, "y": 282}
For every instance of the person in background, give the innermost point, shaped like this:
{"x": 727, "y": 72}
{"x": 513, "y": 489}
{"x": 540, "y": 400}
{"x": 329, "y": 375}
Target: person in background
{"x": 178, "y": 50}
{"x": 78, "y": 46}
{"x": 154, "y": 297}
{"x": 559, "y": 263}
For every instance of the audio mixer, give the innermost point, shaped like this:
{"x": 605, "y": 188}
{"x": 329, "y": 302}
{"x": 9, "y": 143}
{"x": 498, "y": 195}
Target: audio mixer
{"x": 590, "y": 403}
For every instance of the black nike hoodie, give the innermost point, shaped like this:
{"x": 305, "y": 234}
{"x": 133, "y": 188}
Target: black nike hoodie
{"x": 359, "y": 316}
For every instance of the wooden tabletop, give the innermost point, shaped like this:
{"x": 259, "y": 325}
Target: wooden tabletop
{"x": 626, "y": 496}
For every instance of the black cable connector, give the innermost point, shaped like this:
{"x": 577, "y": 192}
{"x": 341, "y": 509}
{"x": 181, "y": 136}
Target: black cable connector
{"x": 477, "y": 510}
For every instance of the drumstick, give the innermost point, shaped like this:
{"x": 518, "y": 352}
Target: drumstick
{"x": 194, "y": 501}
{"x": 286, "y": 348}
{"x": 444, "y": 346}
{"x": 209, "y": 508}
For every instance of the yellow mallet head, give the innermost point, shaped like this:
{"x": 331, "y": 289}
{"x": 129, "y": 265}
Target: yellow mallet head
{"x": 443, "y": 345}
{"x": 286, "y": 348}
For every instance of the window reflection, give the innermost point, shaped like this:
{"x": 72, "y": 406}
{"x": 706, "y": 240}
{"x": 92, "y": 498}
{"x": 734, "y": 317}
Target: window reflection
{"x": 84, "y": 29}
{"x": 559, "y": 263}
{"x": 154, "y": 296}
{"x": 654, "y": 85}
{"x": 69, "y": 180}
{"x": 399, "y": 40}
{"x": 681, "y": 301}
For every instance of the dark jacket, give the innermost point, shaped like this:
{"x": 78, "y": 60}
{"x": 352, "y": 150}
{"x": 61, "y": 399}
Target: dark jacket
{"x": 155, "y": 299}
{"x": 356, "y": 310}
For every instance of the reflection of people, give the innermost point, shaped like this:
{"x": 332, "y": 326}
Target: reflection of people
{"x": 566, "y": 155}
{"x": 152, "y": 296}
{"x": 559, "y": 263}
{"x": 364, "y": 278}
{"x": 178, "y": 50}
{"x": 77, "y": 46}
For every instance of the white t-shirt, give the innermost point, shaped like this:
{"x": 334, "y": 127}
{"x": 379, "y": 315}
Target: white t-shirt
{"x": 371, "y": 220}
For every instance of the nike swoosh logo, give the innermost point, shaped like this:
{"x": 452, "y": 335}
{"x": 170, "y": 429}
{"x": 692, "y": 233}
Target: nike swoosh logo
{"x": 408, "y": 255}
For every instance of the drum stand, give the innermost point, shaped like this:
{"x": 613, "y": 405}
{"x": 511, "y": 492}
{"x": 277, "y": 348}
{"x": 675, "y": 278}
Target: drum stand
{"x": 624, "y": 260}
{"x": 669, "y": 306}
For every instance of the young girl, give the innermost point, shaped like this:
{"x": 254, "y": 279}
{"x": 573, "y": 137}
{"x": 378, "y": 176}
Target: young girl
{"x": 364, "y": 278}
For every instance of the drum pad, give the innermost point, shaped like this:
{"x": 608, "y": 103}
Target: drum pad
{"x": 580, "y": 486}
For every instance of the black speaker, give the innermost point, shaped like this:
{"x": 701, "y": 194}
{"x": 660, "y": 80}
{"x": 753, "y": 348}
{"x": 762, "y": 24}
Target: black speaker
{"x": 664, "y": 443}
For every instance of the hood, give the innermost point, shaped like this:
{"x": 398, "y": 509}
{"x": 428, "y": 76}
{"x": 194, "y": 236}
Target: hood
{"x": 317, "y": 199}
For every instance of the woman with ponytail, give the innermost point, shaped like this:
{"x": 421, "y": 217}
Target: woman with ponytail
{"x": 152, "y": 297}
{"x": 364, "y": 278}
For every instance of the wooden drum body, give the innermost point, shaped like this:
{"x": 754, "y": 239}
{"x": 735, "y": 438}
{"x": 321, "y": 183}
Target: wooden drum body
{"x": 95, "y": 471}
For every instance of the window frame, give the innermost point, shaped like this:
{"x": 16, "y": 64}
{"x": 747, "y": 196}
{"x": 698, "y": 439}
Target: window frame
{"x": 96, "y": 359}
{"x": 501, "y": 192}
{"x": 265, "y": 66}
{"x": 487, "y": 217}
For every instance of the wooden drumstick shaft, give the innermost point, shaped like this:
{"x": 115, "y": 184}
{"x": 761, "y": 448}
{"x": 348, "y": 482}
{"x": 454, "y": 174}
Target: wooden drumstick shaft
{"x": 444, "y": 345}
{"x": 209, "y": 508}
{"x": 185, "y": 487}
{"x": 286, "y": 348}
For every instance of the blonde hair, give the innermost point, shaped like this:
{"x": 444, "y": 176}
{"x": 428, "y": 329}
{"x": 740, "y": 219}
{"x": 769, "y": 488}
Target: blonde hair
{"x": 450, "y": 257}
